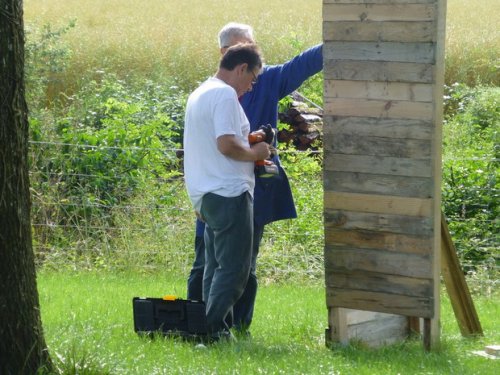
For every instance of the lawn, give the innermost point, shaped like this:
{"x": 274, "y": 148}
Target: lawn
{"x": 88, "y": 324}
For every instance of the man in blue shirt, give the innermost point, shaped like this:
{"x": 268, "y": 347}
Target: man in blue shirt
{"x": 272, "y": 196}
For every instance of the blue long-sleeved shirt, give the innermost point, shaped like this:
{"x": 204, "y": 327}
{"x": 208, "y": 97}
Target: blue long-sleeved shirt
{"x": 273, "y": 197}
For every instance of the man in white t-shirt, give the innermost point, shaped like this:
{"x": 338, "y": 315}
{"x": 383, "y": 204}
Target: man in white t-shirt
{"x": 219, "y": 174}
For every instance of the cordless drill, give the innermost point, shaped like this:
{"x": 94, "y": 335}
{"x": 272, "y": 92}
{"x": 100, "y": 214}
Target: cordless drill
{"x": 264, "y": 168}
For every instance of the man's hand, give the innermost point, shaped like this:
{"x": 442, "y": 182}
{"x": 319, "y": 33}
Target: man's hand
{"x": 262, "y": 150}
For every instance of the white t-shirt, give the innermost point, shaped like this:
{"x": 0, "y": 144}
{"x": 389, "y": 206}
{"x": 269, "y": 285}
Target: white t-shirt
{"x": 213, "y": 110}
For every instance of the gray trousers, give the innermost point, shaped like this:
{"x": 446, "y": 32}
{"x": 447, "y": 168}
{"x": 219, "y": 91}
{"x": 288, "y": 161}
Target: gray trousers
{"x": 228, "y": 252}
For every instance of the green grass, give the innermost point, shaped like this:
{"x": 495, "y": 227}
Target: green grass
{"x": 88, "y": 325}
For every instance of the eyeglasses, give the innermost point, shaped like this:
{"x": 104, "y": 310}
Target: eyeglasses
{"x": 255, "y": 78}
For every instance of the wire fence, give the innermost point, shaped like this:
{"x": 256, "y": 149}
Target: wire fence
{"x": 153, "y": 228}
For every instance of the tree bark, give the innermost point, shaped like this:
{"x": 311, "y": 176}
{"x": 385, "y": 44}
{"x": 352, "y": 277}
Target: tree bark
{"x": 22, "y": 344}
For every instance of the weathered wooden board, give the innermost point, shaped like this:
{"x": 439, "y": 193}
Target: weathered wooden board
{"x": 422, "y": 53}
{"x": 372, "y": 328}
{"x": 373, "y": 281}
{"x": 351, "y": 31}
{"x": 363, "y": 239}
{"x": 378, "y": 261}
{"x": 373, "y": 127}
{"x": 379, "y": 12}
{"x": 383, "y": 184}
{"x": 382, "y": 302}
{"x": 371, "y": 203}
{"x": 379, "y": 108}
{"x": 379, "y": 1}
{"x": 454, "y": 279}
{"x": 400, "y": 91}
{"x": 351, "y": 144}
{"x": 377, "y": 165}
{"x": 336, "y": 68}
{"x": 382, "y": 329}
{"x": 415, "y": 226}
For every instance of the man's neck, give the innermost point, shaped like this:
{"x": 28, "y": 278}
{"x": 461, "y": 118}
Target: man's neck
{"x": 227, "y": 76}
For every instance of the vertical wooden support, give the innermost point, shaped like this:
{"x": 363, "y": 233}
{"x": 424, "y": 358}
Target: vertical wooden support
{"x": 383, "y": 69}
{"x": 437, "y": 141}
{"x": 338, "y": 328}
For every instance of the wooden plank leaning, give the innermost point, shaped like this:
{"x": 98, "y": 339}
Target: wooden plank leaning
{"x": 457, "y": 288}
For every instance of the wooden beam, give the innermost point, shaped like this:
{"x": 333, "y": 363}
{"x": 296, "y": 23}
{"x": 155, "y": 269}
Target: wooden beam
{"x": 382, "y": 204}
{"x": 418, "y": 92}
{"x": 379, "y": 12}
{"x": 337, "y": 317}
{"x": 398, "y": 31}
{"x": 336, "y": 68}
{"x": 422, "y": 53}
{"x": 456, "y": 286}
{"x": 371, "y": 183}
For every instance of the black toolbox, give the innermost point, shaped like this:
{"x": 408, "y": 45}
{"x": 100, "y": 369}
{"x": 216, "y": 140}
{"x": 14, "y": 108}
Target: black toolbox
{"x": 169, "y": 316}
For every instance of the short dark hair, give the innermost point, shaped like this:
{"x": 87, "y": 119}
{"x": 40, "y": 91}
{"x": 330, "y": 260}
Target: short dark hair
{"x": 242, "y": 53}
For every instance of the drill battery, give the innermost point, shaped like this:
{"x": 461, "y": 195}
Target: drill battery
{"x": 169, "y": 316}
{"x": 266, "y": 169}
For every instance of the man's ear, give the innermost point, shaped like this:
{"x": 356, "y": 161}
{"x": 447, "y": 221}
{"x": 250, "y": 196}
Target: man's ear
{"x": 242, "y": 68}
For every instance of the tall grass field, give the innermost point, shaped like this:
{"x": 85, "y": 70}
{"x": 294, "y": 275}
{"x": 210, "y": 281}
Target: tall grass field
{"x": 178, "y": 39}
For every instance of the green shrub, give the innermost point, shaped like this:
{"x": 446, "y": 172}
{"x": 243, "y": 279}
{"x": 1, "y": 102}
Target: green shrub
{"x": 46, "y": 59}
{"x": 470, "y": 169}
{"x": 100, "y": 149}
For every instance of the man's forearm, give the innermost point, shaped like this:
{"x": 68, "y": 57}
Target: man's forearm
{"x": 231, "y": 147}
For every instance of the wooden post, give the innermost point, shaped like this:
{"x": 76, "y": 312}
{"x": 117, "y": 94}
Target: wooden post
{"x": 383, "y": 69}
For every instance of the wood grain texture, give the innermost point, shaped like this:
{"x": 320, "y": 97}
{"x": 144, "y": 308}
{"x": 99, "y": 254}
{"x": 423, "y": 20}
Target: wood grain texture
{"x": 381, "y": 12}
{"x": 354, "y": 261}
{"x": 375, "y": 127}
{"x": 364, "y": 239}
{"x": 396, "y": 31}
{"x": 383, "y": 184}
{"x": 383, "y": 329}
{"x": 377, "y": 282}
{"x": 352, "y": 144}
{"x": 379, "y": 1}
{"x": 377, "y": 165}
{"x": 383, "y": 80}
{"x": 412, "y": 225}
{"x": 382, "y": 302}
{"x": 382, "y": 204}
{"x": 401, "y": 91}
{"x": 422, "y": 53}
{"x": 378, "y": 108}
{"x": 337, "y": 68}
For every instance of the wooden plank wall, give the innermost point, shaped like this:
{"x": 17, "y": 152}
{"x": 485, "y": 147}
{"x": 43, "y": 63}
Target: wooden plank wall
{"x": 383, "y": 70}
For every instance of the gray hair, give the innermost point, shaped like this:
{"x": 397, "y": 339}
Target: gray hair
{"x": 234, "y": 30}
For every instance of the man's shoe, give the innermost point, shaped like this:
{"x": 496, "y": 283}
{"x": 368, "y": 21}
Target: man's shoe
{"x": 221, "y": 336}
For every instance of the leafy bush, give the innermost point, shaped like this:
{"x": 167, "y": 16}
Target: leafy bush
{"x": 470, "y": 170}
{"x": 46, "y": 59}
{"x": 109, "y": 139}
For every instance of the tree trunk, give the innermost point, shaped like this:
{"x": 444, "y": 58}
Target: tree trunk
{"x": 22, "y": 344}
